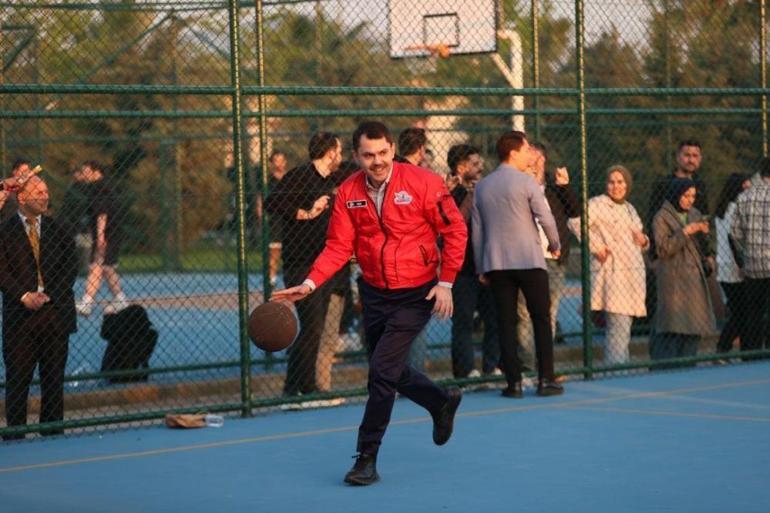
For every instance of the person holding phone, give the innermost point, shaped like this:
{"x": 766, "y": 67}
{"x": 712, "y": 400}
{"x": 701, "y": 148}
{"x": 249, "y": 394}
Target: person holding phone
{"x": 684, "y": 313}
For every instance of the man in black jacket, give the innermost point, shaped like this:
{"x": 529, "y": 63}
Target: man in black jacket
{"x": 38, "y": 266}
{"x": 302, "y": 199}
{"x": 564, "y": 205}
{"x": 466, "y": 165}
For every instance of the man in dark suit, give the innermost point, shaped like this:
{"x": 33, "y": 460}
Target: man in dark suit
{"x": 38, "y": 266}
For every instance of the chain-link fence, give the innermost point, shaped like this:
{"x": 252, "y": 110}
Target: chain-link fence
{"x": 181, "y": 151}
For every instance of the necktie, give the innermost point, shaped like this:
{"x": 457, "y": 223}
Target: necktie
{"x": 34, "y": 241}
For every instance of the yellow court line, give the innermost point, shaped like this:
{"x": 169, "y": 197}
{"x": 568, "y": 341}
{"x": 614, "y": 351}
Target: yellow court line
{"x": 416, "y": 420}
{"x": 701, "y": 400}
{"x": 671, "y": 413}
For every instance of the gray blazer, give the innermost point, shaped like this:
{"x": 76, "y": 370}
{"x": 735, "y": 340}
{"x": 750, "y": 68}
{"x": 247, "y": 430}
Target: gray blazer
{"x": 505, "y": 235}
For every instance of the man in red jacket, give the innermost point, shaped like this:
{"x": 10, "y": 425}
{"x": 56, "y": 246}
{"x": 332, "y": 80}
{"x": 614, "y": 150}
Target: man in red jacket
{"x": 390, "y": 215}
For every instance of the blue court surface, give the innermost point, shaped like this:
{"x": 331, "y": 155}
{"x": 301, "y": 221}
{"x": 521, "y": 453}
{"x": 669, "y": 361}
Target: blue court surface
{"x": 687, "y": 441}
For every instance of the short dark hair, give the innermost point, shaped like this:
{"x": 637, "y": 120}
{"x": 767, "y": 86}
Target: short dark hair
{"x": 508, "y": 142}
{"x": 411, "y": 140}
{"x": 764, "y": 167}
{"x": 20, "y": 162}
{"x": 321, "y": 143}
{"x": 458, "y": 154}
{"x": 372, "y": 130}
{"x": 95, "y": 165}
{"x": 275, "y": 153}
{"x": 687, "y": 142}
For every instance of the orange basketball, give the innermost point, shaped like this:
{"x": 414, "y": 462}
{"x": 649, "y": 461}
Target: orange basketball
{"x": 273, "y": 326}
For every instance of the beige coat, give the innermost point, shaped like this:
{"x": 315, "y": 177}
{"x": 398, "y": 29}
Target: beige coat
{"x": 684, "y": 303}
{"x": 618, "y": 285}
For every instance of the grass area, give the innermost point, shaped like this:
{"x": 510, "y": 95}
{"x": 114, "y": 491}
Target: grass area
{"x": 199, "y": 259}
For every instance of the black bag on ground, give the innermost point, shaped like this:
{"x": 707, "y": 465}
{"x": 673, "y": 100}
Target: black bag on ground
{"x": 130, "y": 343}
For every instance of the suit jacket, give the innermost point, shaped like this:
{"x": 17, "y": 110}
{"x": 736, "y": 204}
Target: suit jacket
{"x": 505, "y": 236}
{"x": 18, "y": 273}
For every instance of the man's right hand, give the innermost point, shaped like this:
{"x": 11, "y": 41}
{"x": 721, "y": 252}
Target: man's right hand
{"x": 561, "y": 176}
{"x": 320, "y": 205}
{"x": 11, "y": 183}
{"x": 34, "y": 300}
{"x": 292, "y": 294}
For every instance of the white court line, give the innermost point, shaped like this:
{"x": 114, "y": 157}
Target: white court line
{"x": 416, "y": 420}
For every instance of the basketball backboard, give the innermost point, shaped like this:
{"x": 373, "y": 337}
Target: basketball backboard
{"x": 417, "y": 28}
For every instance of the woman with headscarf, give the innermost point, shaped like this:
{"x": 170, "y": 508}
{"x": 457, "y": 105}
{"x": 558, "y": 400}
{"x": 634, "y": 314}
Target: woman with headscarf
{"x": 684, "y": 313}
{"x": 617, "y": 241}
{"x": 729, "y": 275}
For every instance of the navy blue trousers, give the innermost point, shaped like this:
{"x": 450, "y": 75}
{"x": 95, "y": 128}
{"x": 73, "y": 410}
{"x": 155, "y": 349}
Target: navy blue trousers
{"x": 392, "y": 320}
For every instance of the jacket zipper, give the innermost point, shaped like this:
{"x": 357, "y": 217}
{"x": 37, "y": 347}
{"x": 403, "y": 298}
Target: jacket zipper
{"x": 384, "y": 232}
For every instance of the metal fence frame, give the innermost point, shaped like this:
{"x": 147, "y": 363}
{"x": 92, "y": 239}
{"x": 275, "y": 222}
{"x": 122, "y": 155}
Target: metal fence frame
{"x": 237, "y": 93}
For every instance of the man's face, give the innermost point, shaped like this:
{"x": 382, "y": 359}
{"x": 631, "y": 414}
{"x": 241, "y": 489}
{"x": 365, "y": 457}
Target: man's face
{"x": 688, "y": 159}
{"x": 523, "y": 158}
{"x": 89, "y": 174}
{"x": 471, "y": 168}
{"x": 21, "y": 170}
{"x": 33, "y": 198}
{"x": 537, "y": 169}
{"x": 278, "y": 165}
{"x": 336, "y": 156}
{"x": 375, "y": 156}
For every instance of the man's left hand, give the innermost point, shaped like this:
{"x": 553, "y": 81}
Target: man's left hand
{"x": 443, "y": 308}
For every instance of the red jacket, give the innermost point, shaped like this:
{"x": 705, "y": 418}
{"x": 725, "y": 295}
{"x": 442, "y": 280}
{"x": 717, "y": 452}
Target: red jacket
{"x": 398, "y": 250}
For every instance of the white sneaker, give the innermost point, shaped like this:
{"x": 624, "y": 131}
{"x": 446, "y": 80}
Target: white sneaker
{"x": 474, "y": 374}
{"x": 84, "y": 308}
{"x": 118, "y": 304}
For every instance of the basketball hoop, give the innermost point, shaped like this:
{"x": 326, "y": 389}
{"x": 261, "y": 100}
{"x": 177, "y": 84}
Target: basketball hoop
{"x": 440, "y": 50}
{"x": 425, "y": 62}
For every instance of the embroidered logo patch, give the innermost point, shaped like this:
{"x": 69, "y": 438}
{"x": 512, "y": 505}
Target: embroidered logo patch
{"x": 356, "y": 204}
{"x": 403, "y": 198}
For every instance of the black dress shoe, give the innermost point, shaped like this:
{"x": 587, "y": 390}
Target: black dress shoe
{"x": 443, "y": 421}
{"x": 364, "y": 471}
{"x": 515, "y": 391}
{"x": 549, "y": 388}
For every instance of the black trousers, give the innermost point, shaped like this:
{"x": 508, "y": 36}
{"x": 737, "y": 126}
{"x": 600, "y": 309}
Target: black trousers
{"x": 758, "y": 313}
{"x": 533, "y": 283}
{"x": 39, "y": 340}
{"x": 737, "y": 322}
{"x": 468, "y": 295}
{"x": 392, "y": 320}
{"x": 302, "y": 355}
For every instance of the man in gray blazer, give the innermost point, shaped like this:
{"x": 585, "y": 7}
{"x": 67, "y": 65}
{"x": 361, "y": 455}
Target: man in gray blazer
{"x": 509, "y": 257}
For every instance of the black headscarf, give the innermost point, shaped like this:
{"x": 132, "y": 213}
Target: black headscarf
{"x": 676, "y": 189}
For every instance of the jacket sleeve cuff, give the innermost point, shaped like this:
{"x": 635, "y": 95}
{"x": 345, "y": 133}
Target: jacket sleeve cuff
{"x": 446, "y": 284}
{"x": 447, "y": 276}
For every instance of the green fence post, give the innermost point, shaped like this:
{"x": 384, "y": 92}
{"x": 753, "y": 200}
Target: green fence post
{"x": 262, "y": 106}
{"x": 243, "y": 292}
{"x": 536, "y": 66}
{"x": 584, "y": 251}
{"x": 667, "y": 56}
{"x": 763, "y": 69}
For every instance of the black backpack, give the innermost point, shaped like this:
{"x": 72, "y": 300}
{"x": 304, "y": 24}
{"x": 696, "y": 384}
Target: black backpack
{"x": 130, "y": 343}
